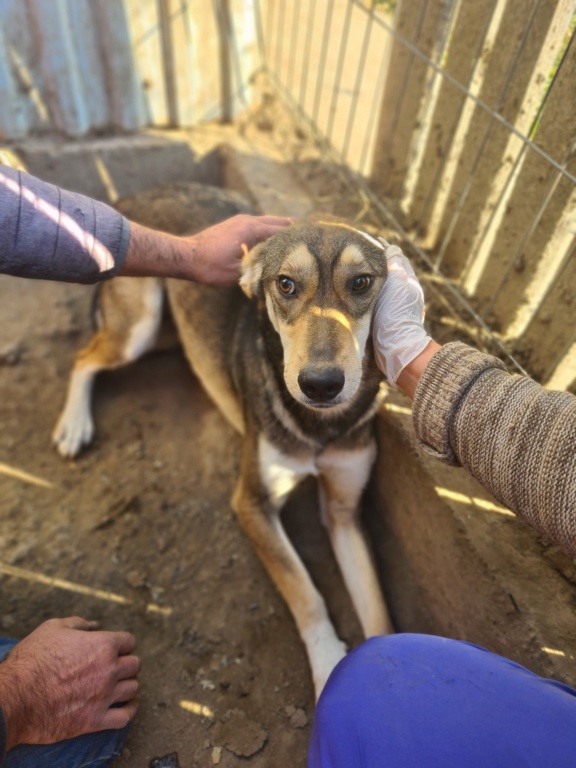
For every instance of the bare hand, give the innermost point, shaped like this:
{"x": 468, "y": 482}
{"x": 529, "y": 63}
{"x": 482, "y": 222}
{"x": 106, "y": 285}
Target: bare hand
{"x": 219, "y": 249}
{"x": 62, "y": 681}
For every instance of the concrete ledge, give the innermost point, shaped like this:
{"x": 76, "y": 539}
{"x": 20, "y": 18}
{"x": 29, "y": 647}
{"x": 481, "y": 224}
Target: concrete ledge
{"x": 110, "y": 168}
{"x": 261, "y": 175}
{"x": 455, "y": 563}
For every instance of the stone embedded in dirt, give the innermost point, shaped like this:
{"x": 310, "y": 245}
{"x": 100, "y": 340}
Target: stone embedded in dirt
{"x": 216, "y": 755}
{"x": 136, "y": 579}
{"x": 298, "y": 717}
{"x": 168, "y": 761}
{"x": 238, "y": 734}
{"x": 10, "y": 354}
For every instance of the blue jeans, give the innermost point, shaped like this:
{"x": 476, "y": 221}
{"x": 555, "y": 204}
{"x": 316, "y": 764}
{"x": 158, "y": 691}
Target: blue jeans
{"x": 93, "y": 749}
{"x": 417, "y": 701}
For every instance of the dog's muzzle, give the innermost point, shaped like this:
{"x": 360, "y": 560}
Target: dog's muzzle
{"x": 321, "y": 385}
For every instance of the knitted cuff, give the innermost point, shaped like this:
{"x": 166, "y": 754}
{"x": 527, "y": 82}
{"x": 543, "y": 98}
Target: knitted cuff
{"x": 446, "y": 380}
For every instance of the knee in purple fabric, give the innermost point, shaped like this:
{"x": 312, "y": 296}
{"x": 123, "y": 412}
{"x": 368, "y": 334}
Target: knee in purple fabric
{"x": 418, "y": 700}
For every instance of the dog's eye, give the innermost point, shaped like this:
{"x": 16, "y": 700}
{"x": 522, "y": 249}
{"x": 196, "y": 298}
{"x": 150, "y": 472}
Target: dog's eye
{"x": 361, "y": 283}
{"x": 286, "y": 285}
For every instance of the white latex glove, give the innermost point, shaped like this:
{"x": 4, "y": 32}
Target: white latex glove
{"x": 398, "y": 325}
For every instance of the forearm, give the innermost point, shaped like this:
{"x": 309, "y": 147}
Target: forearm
{"x": 412, "y": 373}
{"x": 516, "y": 438}
{"x": 157, "y": 254}
{"x": 211, "y": 256}
{"x": 51, "y": 234}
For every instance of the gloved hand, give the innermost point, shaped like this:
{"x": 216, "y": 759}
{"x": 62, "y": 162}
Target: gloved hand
{"x": 398, "y": 324}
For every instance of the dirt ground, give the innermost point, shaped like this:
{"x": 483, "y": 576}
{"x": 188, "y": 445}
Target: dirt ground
{"x": 141, "y": 536}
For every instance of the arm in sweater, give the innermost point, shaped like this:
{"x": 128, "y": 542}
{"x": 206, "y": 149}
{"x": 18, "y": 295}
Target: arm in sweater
{"x": 49, "y": 233}
{"x": 515, "y": 437}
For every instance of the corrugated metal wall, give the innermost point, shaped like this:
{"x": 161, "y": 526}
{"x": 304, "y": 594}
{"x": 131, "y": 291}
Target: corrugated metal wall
{"x": 75, "y": 67}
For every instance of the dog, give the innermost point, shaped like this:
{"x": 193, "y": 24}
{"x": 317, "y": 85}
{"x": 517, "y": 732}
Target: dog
{"x": 287, "y": 358}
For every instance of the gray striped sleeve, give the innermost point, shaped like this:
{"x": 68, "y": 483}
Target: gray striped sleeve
{"x": 51, "y": 234}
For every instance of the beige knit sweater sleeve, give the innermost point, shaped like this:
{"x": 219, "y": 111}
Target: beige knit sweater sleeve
{"x": 515, "y": 437}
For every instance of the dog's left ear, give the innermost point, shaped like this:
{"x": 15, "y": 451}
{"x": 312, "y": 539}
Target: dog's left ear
{"x": 251, "y": 272}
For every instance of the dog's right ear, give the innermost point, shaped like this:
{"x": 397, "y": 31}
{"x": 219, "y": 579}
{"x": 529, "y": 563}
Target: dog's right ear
{"x": 251, "y": 272}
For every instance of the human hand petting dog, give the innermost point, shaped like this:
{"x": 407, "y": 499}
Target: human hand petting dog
{"x": 212, "y": 256}
{"x": 65, "y": 679}
{"x": 402, "y": 347}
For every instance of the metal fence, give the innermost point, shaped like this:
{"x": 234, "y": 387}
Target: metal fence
{"x": 456, "y": 119}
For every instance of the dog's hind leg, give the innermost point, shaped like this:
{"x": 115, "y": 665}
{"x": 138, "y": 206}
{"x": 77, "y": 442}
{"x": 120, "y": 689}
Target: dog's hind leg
{"x": 130, "y": 312}
{"x": 343, "y": 476}
{"x": 267, "y": 478}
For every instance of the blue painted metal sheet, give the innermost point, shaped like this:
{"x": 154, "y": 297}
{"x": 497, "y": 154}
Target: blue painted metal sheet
{"x": 75, "y": 67}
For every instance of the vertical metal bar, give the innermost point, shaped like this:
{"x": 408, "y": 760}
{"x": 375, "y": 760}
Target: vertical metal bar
{"x": 307, "y": 48}
{"x": 376, "y": 99}
{"x": 61, "y": 84}
{"x": 280, "y": 39}
{"x": 240, "y": 90}
{"x": 339, "y": 68}
{"x": 485, "y": 139}
{"x": 372, "y": 113}
{"x": 13, "y": 121}
{"x": 168, "y": 63}
{"x": 293, "y": 38}
{"x": 322, "y": 61}
{"x": 222, "y": 8}
{"x": 259, "y": 32}
{"x": 359, "y": 78}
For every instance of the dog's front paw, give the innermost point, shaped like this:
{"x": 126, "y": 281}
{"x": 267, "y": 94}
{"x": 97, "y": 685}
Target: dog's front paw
{"x": 72, "y": 432}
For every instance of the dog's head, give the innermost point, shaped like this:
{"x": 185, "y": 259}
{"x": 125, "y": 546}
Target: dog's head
{"x": 319, "y": 282}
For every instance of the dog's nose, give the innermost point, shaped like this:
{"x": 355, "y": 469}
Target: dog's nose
{"x": 321, "y": 384}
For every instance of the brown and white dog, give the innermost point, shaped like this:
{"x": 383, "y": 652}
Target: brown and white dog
{"x": 288, "y": 360}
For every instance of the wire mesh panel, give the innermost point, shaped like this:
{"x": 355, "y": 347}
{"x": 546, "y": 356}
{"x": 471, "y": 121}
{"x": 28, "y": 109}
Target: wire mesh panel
{"x": 458, "y": 119}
